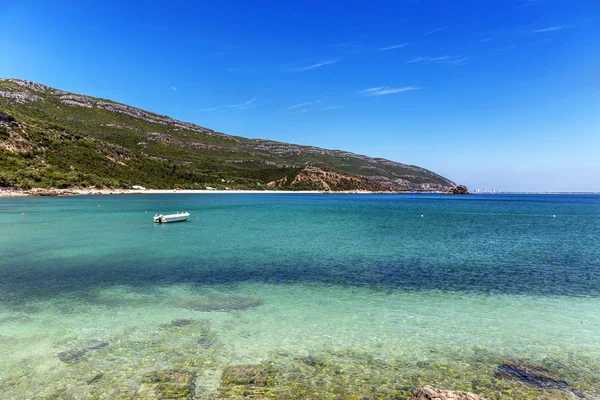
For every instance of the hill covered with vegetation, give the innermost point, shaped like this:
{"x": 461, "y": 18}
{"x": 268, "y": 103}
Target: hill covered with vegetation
{"x": 53, "y": 138}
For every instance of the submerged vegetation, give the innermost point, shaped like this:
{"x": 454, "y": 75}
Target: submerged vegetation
{"x": 338, "y": 374}
{"x": 191, "y": 359}
{"x": 51, "y": 138}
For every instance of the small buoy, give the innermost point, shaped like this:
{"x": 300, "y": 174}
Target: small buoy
{"x": 554, "y": 216}
{"x": 421, "y": 215}
{"x": 22, "y": 214}
{"x": 98, "y": 205}
{"x": 146, "y": 211}
{"x": 196, "y": 219}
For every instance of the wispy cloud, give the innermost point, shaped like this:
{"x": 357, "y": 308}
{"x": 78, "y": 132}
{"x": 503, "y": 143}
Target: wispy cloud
{"x": 418, "y": 59}
{"x": 392, "y": 47}
{"x": 173, "y": 88}
{"x": 442, "y": 59}
{"x": 331, "y": 108}
{"x": 433, "y": 31}
{"x": 302, "y": 111}
{"x": 241, "y": 106}
{"x": 551, "y": 29}
{"x": 383, "y": 90}
{"x": 306, "y": 103}
{"x": 318, "y": 65}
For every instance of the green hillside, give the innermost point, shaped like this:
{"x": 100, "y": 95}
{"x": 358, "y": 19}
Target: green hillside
{"x": 52, "y": 138}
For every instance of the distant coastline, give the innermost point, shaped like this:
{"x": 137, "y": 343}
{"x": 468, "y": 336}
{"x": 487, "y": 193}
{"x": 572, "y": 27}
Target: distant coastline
{"x": 80, "y": 191}
{"x": 543, "y": 193}
{"x": 40, "y": 192}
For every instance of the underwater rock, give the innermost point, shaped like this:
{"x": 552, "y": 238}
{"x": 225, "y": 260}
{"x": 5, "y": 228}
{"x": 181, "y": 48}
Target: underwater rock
{"x": 178, "y": 323}
{"x": 206, "y": 340}
{"x": 72, "y": 356}
{"x": 252, "y": 381}
{"x": 531, "y": 375}
{"x": 95, "y": 345}
{"x": 59, "y": 394}
{"x": 94, "y": 377}
{"x": 313, "y": 361}
{"x": 186, "y": 329}
{"x": 170, "y": 384}
{"x": 181, "y": 322}
{"x": 228, "y": 303}
{"x": 431, "y": 393}
{"x": 258, "y": 375}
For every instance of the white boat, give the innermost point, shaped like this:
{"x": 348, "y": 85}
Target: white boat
{"x": 178, "y": 216}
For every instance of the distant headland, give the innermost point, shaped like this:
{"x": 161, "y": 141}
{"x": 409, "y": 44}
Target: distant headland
{"x": 50, "y": 138}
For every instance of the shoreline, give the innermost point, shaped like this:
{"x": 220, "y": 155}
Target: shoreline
{"x": 102, "y": 192}
{"x": 40, "y": 192}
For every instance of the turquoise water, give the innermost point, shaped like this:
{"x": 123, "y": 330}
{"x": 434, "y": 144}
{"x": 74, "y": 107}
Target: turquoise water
{"x": 381, "y": 293}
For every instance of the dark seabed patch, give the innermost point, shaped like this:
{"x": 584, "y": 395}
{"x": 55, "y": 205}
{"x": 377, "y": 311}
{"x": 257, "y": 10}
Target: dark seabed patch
{"x": 222, "y": 303}
{"x": 177, "y": 323}
{"x": 170, "y": 384}
{"x": 75, "y": 355}
{"x": 535, "y": 376}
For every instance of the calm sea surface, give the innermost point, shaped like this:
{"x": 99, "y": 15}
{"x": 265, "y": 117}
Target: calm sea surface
{"x": 339, "y": 296}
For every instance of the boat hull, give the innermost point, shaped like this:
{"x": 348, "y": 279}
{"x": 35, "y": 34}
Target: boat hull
{"x": 163, "y": 219}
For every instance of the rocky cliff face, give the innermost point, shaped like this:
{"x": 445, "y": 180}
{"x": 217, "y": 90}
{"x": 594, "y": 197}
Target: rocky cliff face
{"x": 52, "y": 133}
{"x": 460, "y": 189}
{"x": 321, "y": 179}
{"x": 389, "y": 174}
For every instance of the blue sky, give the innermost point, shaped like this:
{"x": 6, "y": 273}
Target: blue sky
{"x": 492, "y": 94}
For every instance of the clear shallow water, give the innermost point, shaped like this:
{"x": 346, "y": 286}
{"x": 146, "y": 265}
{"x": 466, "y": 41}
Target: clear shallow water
{"x": 383, "y": 298}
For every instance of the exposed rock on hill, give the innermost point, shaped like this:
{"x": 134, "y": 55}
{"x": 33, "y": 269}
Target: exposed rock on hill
{"x": 460, "y": 189}
{"x": 36, "y": 87}
{"x": 19, "y": 97}
{"x": 322, "y": 179}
